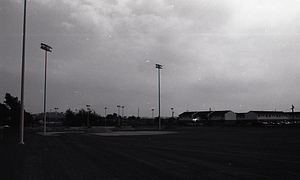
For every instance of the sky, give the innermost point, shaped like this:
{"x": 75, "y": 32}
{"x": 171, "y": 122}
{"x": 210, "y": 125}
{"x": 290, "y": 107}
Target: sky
{"x": 219, "y": 54}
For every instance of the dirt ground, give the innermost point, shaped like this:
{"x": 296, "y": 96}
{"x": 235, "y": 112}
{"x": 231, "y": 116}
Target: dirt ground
{"x": 190, "y": 153}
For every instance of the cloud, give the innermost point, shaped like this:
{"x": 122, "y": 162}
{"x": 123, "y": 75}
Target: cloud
{"x": 264, "y": 17}
{"x": 232, "y": 54}
{"x": 67, "y": 25}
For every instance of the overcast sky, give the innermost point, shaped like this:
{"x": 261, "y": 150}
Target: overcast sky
{"x": 220, "y": 54}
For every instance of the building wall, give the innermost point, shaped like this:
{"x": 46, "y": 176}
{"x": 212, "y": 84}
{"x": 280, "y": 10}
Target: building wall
{"x": 250, "y": 116}
{"x": 267, "y": 116}
{"x": 217, "y": 117}
{"x": 186, "y": 117}
{"x": 296, "y": 116}
{"x": 230, "y": 116}
{"x": 270, "y": 117}
{"x": 240, "y": 116}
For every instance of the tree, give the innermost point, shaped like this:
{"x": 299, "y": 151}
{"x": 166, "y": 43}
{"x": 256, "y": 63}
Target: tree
{"x": 28, "y": 119}
{"x": 14, "y": 105}
{"x": 131, "y": 118}
{"x": 4, "y": 114}
{"x": 80, "y": 118}
{"x": 13, "y": 108}
{"x": 70, "y": 118}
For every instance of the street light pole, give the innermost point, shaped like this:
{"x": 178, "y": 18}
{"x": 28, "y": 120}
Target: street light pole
{"x": 47, "y": 49}
{"x": 88, "y": 114}
{"x": 22, "y": 79}
{"x": 172, "y": 115}
{"x": 122, "y": 115}
{"x": 159, "y": 67}
{"x": 152, "y": 112}
{"x": 56, "y": 113}
{"x": 105, "y": 115}
{"x": 118, "y": 106}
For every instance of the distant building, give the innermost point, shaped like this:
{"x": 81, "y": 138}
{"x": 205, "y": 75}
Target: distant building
{"x": 240, "y": 117}
{"x": 265, "y": 116}
{"x": 272, "y": 117}
{"x": 293, "y": 116}
{"x": 202, "y": 116}
{"x": 193, "y": 116}
{"x": 227, "y": 116}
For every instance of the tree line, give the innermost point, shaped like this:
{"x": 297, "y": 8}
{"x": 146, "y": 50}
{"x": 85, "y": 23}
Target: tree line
{"x": 11, "y": 107}
{"x": 10, "y": 111}
{"x": 83, "y": 117}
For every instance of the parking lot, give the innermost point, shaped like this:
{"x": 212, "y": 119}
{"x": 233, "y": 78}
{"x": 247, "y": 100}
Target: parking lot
{"x": 183, "y": 153}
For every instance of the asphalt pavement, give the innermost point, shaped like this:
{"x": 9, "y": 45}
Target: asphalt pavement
{"x": 190, "y": 153}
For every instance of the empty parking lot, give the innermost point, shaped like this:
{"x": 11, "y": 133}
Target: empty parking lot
{"x": 189, "y": 153}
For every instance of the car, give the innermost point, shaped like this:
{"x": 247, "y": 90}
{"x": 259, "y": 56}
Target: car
{"x": 196, "y": 119}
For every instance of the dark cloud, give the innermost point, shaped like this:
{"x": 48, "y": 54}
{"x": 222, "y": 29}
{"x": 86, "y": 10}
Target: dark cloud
{"x": 230, "y": 55}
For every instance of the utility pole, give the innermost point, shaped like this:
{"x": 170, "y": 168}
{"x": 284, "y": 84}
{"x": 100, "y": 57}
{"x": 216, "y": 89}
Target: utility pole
{"x": 293, "y": 113}
{"x": 88, "y": 108}
{"x": 122, "y": 115}
{"x": 159, "y": 67}
{"x": 22, "y": 80}
{"x": 105, "y": 114}
{"x": 152, "y": 113}
{"x": 56, "y": 114}
{"x": 46, "y": 48}
{"x": 118, "y": 106}
{"x": 172, "y": 109}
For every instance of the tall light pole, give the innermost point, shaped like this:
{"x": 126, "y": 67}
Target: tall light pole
{"x": 122, "y": 115}
{"x": 118, "y": 106}
{"x": 123, "y": 111}
{"x": 172, "y": 109}
{"x": 22, "y": 79}
{"x": 56, "y": 113}
{"x": 105, "y": 115}
{"x": 88, "y": 114}
{"x": 159, "y": 67}
{"x": 293, "y": 107}
{"x": 47, "y": 49}
{"x": 152, "y": 112}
